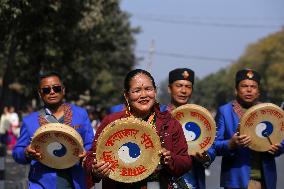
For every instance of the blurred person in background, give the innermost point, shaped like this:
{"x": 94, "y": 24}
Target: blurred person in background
{"x": 4, "y": 125}
{"x": 14, "y": 128}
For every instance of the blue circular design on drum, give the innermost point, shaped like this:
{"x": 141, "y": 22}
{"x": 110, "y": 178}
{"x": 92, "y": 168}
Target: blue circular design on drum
{"x": 191, "y": 131}
{"x": 56, "y": 149}
{"x": 129, "y": 152}
{"x": 264, "y": 129}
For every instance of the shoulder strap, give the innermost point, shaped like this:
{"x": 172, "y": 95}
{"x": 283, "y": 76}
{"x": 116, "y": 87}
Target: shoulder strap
{"x": 49, "y": 118}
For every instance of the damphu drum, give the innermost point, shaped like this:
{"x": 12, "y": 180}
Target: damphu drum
{"x": 264, "y": 123}
{"x": 132, "y": 146}
{"x": 58, "y": 144}
{"x": 198, "y": 126}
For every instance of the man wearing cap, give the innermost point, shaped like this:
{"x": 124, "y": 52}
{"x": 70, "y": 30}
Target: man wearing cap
{"x": 180, "y": 88}
{"x": 52, "y": 91}
{"x": 242, "y": 167}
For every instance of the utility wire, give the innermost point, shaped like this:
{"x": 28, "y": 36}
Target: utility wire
{"x": 202, "y": 23}
{"x": 187, "y": 56}
{"x": 182, "y": 17}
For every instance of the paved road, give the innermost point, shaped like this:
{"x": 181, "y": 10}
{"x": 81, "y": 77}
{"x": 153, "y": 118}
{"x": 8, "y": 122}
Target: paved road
{"x": 16, "y": 174}
{"x": 213, "y": 181}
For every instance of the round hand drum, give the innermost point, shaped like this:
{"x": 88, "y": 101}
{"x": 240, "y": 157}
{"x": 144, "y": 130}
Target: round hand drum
{"x": 58, "y": 144}
{"x": 198, "y": 126}
{"x": 264, "y": 123}
{"x": 132, "y": 147}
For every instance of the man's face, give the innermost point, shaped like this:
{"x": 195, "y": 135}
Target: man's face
{"x": 51, "y": 90}
{"x": 180, "y": 91}
{"x": 248, "y": 91}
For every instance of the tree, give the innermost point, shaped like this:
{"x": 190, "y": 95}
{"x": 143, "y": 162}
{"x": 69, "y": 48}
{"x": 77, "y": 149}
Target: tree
{"x": 212, "y": 91}
{"x": 265, "y": 56}
{"x": 90, "y": 42}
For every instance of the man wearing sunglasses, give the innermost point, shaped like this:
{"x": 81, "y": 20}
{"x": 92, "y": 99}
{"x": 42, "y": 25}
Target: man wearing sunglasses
{"x": 51, "y": 91}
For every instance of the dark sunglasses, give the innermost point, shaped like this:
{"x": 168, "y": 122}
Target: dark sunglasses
{"x": 47, "y": 90}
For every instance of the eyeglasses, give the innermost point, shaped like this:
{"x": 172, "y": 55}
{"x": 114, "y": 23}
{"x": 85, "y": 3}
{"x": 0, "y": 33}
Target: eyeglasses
{"x": 47, "y": 90}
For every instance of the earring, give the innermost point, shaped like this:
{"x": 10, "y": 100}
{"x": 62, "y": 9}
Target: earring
{"x": 128, "y": 110}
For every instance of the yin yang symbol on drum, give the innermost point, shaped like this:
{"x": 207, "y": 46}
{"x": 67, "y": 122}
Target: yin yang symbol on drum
{"x": 191, "y": 131}
{"x": 56, "y": 149}
{"x": 264, "y": 129}
{"x": 129, "y": 152}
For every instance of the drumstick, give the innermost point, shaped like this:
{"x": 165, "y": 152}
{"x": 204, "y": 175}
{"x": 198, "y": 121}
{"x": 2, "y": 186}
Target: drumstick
{"x": 238, "y": 129}
{"x": 267, "y": 136}
{"x": 269, "y": 139}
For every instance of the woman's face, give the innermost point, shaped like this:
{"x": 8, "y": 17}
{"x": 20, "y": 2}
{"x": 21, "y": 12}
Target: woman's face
{"x": 141, "y": 95}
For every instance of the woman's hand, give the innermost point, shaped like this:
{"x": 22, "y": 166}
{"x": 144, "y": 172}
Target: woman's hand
{"x": 82, "y": 155}
{"x": 101, "y": 169}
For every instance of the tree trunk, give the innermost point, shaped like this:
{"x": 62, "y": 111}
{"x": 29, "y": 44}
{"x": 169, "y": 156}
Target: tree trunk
{"x": 7, "y": 77}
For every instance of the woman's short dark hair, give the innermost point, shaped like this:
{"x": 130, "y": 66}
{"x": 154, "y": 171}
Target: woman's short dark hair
{"x": 133, "y": 73}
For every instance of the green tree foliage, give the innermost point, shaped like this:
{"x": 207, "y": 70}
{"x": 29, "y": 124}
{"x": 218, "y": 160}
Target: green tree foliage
{"x": 266, "y": 56}
{"x": 213, "y": 90}
{"x": 90, "y": 42}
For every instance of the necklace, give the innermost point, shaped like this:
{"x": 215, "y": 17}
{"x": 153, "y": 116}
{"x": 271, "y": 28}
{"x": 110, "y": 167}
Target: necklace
{"x": 152, "y": 120}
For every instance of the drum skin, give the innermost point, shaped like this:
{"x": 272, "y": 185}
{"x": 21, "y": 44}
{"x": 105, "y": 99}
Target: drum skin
{"x": 264, "y": 123}
{"x": 58, "y": 144}
{"x": 132, "y": 146}
{"x": 198, "y": 125}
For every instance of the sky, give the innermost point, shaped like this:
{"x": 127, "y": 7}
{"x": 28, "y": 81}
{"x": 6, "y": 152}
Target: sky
{"x": 204, "y": 35}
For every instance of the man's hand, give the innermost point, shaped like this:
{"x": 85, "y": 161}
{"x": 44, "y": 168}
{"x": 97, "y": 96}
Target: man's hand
{"x": 239, "y": 141}
{"x": 32, "y": 154}
{"x": 101, "y": 169}
{"x": 274, "y": 148}
{"x": 165, "y": 156}
{"x": 202, "y": 157}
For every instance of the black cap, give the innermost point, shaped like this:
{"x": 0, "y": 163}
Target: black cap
{"x": 181, "y": 74}
{"x": 247, "y": 74}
